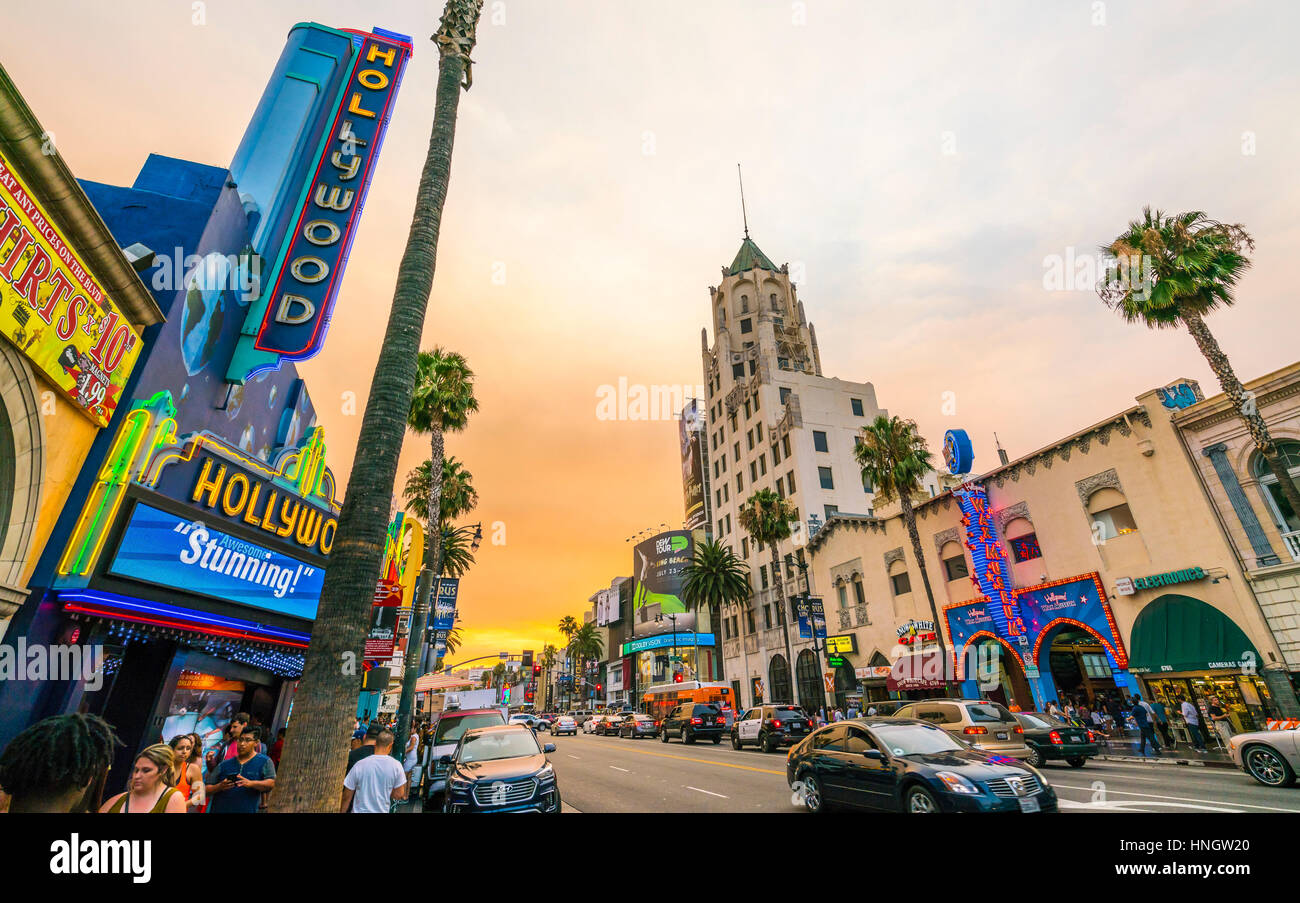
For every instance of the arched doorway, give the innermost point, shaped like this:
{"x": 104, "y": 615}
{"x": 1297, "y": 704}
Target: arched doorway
{"x": 1078, "y": 662}
{"x": 778, "y": 679}
{"x": 846, "y": 685}
{"x": 1012, "y": 687}
{"x": 812, "y": 695}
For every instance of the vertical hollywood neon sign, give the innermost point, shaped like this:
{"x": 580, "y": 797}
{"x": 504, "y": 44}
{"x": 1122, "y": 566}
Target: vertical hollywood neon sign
{"x": 991, "y": 567}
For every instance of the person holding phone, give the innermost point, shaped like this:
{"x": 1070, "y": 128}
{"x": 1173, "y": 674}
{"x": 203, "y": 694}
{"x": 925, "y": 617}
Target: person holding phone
{"x": 243, "y": 779}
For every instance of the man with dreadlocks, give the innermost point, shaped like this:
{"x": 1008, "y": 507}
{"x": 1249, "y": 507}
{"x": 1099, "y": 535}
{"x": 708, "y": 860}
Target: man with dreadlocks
{"x": 58, "y": 764}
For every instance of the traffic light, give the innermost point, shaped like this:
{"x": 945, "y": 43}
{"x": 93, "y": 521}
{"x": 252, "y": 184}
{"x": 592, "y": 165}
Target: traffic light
{"x": 528, "y": 658}
{"x": 599, "y": 687}
{"x": 528, "y": 696}
{"x": 677, "y": 678}
{"x": 537, "y": 669}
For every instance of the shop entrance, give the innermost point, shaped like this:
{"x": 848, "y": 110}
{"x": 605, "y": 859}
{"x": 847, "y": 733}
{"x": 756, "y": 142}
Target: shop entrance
{"x": 1012, "y": 688}
{"x": 1079, "y": 666}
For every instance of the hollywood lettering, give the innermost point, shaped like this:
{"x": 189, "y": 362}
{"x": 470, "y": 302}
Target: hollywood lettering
{"x": 263, "y": 505}
{"x": 298, "y": 312}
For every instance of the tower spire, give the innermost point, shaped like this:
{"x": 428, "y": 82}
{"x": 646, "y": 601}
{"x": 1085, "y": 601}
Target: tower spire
{"x": 743, "y": 215}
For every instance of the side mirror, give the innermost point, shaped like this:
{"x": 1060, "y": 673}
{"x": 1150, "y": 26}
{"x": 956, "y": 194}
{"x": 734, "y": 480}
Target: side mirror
{"x": 548, "y": 748}
{"x": 874, "y": 755}
{"x": 444, "y": 760}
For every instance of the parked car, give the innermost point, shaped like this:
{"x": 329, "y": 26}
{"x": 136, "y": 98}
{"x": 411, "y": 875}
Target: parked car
{"x": 564, "y": 724}
{"x": 447, "y": 732}
{"x": 985, "y": 725}
{"x": 607, "y": 725}
{"x": 635, "y": 726}
{"x": 1051, "y": 738}
{"x": 692, "y": 721}
{"x": 1270, "y": 757}
{"x": 905, "y": 765}
{"x": 580, "y": 715}
{"x": 771, "y": 726}
{"x": 500, "y": 769}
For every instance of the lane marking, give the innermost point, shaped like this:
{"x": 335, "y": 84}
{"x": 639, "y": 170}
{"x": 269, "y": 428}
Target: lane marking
{"x": 709, "y": 792}
{"x": 616, "y": 768}
{"x": 1151, "y": 797}
{"x": 1130, "y": 806}
{"x": 572, "y": 756}
{"x": 641, "y": 752}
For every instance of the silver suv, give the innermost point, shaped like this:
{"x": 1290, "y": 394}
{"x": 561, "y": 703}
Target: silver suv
{"x": 987, "y": 726}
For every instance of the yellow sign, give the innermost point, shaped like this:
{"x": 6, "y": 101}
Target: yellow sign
{"x": 54, "y": 311}
{"x": 844, "y": 644}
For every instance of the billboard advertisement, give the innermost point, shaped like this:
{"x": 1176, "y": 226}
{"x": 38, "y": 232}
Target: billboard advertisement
{"x": 689, "y": 429}
{"x": 54, "y": 311}
{"x": 444, "y": 613}
{"x": 657, "y": 604}
{"x": 170, "y": 551}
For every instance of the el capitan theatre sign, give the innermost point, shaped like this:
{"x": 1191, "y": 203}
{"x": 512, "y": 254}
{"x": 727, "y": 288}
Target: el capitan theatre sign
{"x": 53, "y": 310}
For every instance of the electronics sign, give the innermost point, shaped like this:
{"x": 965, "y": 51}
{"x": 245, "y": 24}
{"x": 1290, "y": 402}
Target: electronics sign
{"x": 169, "y": 551}
{"x": 54, "y": 311}
{"x": 316, "y": 250}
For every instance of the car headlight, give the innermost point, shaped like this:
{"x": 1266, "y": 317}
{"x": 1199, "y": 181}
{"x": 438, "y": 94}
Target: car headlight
{"x": 458, "y": 783}
{"x": 956, "y": 783}
{"x": 546, "y": 775}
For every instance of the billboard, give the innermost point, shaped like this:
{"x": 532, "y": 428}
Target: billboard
{"x": 657, "y": 565}
{"x": 170, "y": 551}
{"x": 689, "y": 429}
{"x": 607, "y": 607}
{"x": 54, "y": 311}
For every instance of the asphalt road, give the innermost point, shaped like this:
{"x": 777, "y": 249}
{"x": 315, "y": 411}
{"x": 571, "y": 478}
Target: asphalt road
{"x": 611, "y": 774}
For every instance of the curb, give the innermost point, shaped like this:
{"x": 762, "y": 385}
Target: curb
{"x": 1141, "y": 760}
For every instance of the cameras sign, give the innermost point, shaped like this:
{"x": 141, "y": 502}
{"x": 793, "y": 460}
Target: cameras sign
{"x": 54, "y": 311}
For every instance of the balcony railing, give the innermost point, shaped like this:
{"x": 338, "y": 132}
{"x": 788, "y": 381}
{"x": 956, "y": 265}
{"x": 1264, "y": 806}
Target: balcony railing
{"x": 860, "y": 615}
{"x": 751, "y": 644}
{"x": 846, "y": 618}
{"x": 1292, "y": 541}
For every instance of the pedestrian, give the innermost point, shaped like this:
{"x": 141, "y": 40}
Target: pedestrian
{"x": 58, "y": 764}
{"x": 1054, "y": 710}
{"x": 412, "y": 753}
{"x": 871, "y": 711}
{"x": 853, "y": 710}
{"x": 277, "y": 748}
{"x": 1115, "y": 709}
{"x": 243, "y": 779}
{"x": 188, "y": 778}
{"x": 1162, "y": 722}
{"x": 150, "y": 786}
{"x": 1142, "y": 720}
{"x": 839, "y": 715}
{"x": 1098, "y": 722}
{"x": 1193, "y": 719}
{"x": 377, "y": 781}
{"x": 1219, "y": 719}
{"x": 367, "y": 747}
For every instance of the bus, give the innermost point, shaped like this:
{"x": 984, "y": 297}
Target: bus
{"x": 659, "y": 700}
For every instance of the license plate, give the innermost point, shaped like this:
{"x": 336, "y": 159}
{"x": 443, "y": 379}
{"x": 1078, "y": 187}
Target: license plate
{"x": 797, "y": 725}
{"x": 1002, "y": 735}
{"x": 1029, "y": 804}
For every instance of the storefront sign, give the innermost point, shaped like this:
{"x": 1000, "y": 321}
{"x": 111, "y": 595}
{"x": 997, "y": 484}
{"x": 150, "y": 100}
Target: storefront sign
{"x": 842, "y": 643}
{"x": 311, "y": 267}
{"x": 53, "y": 310}
{"x": 1169, "y": 578}
{"x": 189, "y": 556}
{"x": 667, "y": 641}
{"x": 240, "y": 496}
{"x": 1124, "y": 586}
{"x": 916, "y": 632}
{"x": 1179, "y": 395}
{"x": 872, "y": 673}
{"x": 991, "y": 576}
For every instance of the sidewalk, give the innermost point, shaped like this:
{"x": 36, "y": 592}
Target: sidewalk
{"x": 1127, "y": 750}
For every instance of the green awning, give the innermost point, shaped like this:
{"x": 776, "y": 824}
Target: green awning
{"x": 1179, "y": 633}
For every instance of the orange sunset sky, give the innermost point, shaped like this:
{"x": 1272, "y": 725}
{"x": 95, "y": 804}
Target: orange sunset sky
{"x": 917, "y": 161}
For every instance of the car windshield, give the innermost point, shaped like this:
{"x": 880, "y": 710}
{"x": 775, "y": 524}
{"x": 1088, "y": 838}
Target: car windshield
{"x": 914, "y": 739}
{"x": 988, "y": 712}
{"x": 1037, "y": 721}
{"x": 641, "y": 718}
{"x": 450, "y": 730}
{"x": 498, "y": 745}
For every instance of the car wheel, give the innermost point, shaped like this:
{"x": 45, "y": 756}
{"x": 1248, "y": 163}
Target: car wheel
{"x": 664, "y": 735}
{"x": 920, "y": 801}
{"x": 1035, "y": 757}
{"x": 768, "y": 744}
{"x": 1267, "y": 766}
{"x": 686, "y": 737}
{"x": 1076, "y": 761}
{"x": 717, "y": 739}
{"x": 812, "y": 794}
{"x": 735, "y": 740}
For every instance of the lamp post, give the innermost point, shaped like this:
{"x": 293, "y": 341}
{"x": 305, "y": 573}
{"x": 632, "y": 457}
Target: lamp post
{"x": 807, "y": 587}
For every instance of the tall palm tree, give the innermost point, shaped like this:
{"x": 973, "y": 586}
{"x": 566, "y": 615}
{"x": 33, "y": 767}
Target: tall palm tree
{"x": 586, "y": 645}
{"x": 766, "y": 517}
{"x": 716, "y": 577}
{"x": 1179, "y": 268}
{"x": 315, "y": 754}
{"x": 568, "y": 626}
{"x": 549, "y": 654}
{"x": 895, "y": 459}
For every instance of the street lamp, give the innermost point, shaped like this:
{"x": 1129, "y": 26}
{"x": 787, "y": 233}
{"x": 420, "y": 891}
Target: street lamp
{"x": 807, "y": 587}
{"x": 672, "y": 618}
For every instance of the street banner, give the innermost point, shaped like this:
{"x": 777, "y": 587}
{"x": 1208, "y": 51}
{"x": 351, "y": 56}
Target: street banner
{"x": 818, "y": 613}
{"x": 803, "y": 613}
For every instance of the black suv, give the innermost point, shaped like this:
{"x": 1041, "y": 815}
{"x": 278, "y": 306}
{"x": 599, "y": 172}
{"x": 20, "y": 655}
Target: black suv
{"x": 692, "y": 721}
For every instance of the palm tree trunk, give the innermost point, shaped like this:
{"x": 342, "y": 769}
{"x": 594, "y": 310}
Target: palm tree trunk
{"x": 1248, "y": 412}
{"x": 785, "y": 627}
{"x": 315, "y": 752}
{"x": 433, "y": 545}
{"x": 909, "y": 518}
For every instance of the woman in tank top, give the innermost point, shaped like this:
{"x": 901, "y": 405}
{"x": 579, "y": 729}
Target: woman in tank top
{"x": 149, "y": 789}
{"x": 189, "y": 776}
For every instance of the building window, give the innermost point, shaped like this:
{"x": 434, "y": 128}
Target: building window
{"x": 735, "y": 450}
{"x": 720, "y": 528}
{"x": 749, "y": 617}
{"x": 726, "y": 493}
{"x": 746, "y": 325}
{"x": 842, "y": 595}
{"x": 1288, "y": 450}
{"x": 866, "y": 484}
{"x": 902, "y": 585}
{"x": 775, "y": 304}
{"x": 819, "y": 441}
{"x": 762, "y": 575}
{"x": 752, "y": 368}
{"x": 956, "y": 567}
{"x": 857, "y": 407}
{"x": 740, "y": 483}
{"x": 728, "y": 523}
{"x": 776, "y": 454}
{"x": 767, "y": 617}
{"x": 785, "y": 444}
{"x": 785, "y": 394}
{"x": 1025, "y": 548}
{"x": 1095, "y": 665}
{"x": 744, "y": 304}
{"x": 789, "y": 483}
{"x": 858, "y": 594}
{"x": 744, "y": 547}
{"x": 831, "y": 509}
{"x": 780, "y": 488}
{"x": 1109, "y": 509}
{"x": 827, "y": 480}
{"x": 748, "y": 411}
{"x": 760, "y": 426}
{"x": 718, "y": 494}
{"x": 738, "y": 371}
{"x": 753, "y": 471}
{"x": 762, "y": 465}
{"x": 749, "y": 440}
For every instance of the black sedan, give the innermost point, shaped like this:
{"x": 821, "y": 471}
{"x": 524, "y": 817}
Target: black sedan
{"x": 1051, "y": 738}
{"x": 501, "y": 769}
{"x": 904, "y": 765}
{"x": 635, "y": 726}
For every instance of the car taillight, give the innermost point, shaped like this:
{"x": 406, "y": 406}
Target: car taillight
{"x": 776, "y": 724}
{"x": 975, "y": 730}
{"x": 1092, "y": 738}
{"x": 1019, "y": 729}
{"x": 697, "y": 721}
{"x": 722, "y": 721}
{"x": 1054, "y": 736}
{"x": 656, "y": 724}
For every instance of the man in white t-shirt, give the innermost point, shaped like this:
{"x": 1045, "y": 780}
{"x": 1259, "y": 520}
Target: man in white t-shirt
{"x": 375, "y": 781}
